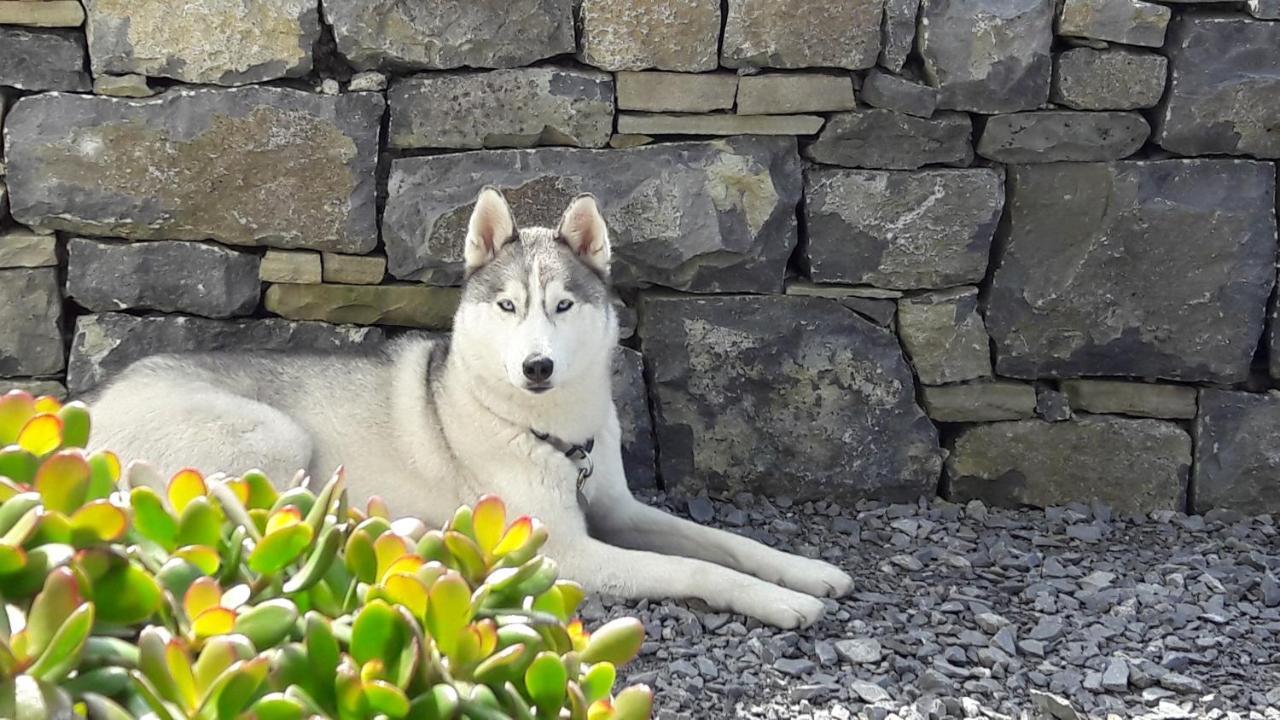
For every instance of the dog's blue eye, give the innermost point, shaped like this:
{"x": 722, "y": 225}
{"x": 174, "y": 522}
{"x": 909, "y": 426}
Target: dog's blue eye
{"x": 507, "y": 306}
{"x": 564, "y": 305}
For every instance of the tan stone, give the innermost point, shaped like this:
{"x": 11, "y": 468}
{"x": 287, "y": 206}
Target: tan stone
{"x": 23, "y": 248}
{"x": 354, "y": 269}
{"x": 680, "y": 35}
{"x": 45, "y": 13}
{"x": 622, "y": 142}
{"x": 676, "y": 92}
{"x": 721, "y": 124}
{"x": 786, "y": 93}
{"x": 802, "y": 33}
{"x": 1121, "y": 397}
{"x": 418, "y": 306}
{"x": 224, "y": 42}
{"x": 980, "y": 401}
{"x": 131, "y": 86}
{"x": 290, "y": 266}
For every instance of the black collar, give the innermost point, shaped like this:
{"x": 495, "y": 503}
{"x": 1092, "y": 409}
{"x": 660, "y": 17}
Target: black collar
{"x": 579, "y": 454}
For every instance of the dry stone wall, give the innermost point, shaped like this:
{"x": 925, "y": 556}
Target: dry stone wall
{"x": 1016, "y": 250}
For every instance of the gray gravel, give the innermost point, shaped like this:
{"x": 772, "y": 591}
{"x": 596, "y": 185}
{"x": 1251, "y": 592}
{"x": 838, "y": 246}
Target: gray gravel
{"x": 970, "y": 612}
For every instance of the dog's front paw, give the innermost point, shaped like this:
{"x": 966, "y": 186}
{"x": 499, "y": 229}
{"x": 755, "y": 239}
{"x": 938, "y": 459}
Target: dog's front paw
{"x": 818, "y": 578}
{"x": 783, "y": 608}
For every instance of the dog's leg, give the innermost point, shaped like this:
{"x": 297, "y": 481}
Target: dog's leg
{"x": 603, "y": 568}
{"x": 618, "y": 518}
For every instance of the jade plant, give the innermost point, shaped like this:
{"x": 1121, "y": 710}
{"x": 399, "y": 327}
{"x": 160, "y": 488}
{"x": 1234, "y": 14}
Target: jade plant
{"x": 221, "y": 597}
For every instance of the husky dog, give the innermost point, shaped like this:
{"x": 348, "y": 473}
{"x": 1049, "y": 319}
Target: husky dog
{"x": 517, "y": 403}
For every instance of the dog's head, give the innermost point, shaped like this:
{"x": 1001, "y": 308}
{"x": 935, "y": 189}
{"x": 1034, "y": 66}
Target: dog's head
{"x": 536, "y": 305}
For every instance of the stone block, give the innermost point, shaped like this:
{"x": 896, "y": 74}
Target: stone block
{"x": 502, "y": 108}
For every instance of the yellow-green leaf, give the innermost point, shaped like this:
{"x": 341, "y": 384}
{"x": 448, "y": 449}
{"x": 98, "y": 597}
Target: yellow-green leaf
{"x": 376, "y": 634}
{"x": 598, "y": 682}
{"x": 186, "y": 485}
{"x": 267, "y": 623}
{"x": 62, "y": 654}
{"x": 16, "y": 408}
{"x": 360, "y": 557}
{"x": 200, "y": 523}
{"x": 52, "y": 606}
{"x": 75, "y": 424}
{"x": 214, "y": 621}
{"x": 448, "y": 611}
{"x": 489, "y": 520}
{"x": 633, "y": 703}
{"x": 152, "y": 519}
{"x": 41, "y": 435}
{"x": 617, "y": 642}
{"x": 385, "y": 698}
{"x": 546, "y": 681}
{"x": 104, "y": 474}
{"x": 201, "y": 556}
{"x": 280, "y": 548}
{"x": 63, "y": 481}
{"x": 101, "y": 520}
{"x": 18, "y": 466}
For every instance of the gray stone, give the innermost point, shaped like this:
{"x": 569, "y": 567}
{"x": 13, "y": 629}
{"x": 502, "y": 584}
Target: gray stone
{"x": 784, "y": 93}
{"x": 880, "y": 312}
{"x": 1224, "y": 93}
{"x": 860, "y": 651}
{"x": 1055, "y": 707}
{"x": 900, "y": 230}
{"x": 1264, "y": 9}
{"x": 38, "y": 388}
{"x": 1116, "y": 677}
{"x": 168, "y": 275}
{"x": 1062, "y": 136}
{"x": 705, "y": 217}
{"x": 1134, "y": 466}
{"x": 417, "y": 306}
{"x": 883, "y": 90}
{"x": 981, "y": 401}
{"x": 502, "y": 108}
{"x": 898, "y": 33}
{"x": 676, "y": 92}
{"x": 943, "y": 334}
{"x": 367, "y": 81}
{"x": 30, "y": 322}
{"x": 783, "y": 395}
{"x": 1117, "y": 79}
{"x": 1052, "y": 405}
{"x": 718, "y": 124}
{"x": 20, "y": 247}
{"x": 246, "y": 166}
{"x": 678, "y": 35}
{"x": 39, "y": 60}
{"x": 868, "y": 692}
{"x": 1237, "y": 439}
{"x": 987, "y": 56}
{"x": 879, "y": 138}
{"x": 1145, "y": 255}
{"x": 1132, "y": 22}
{"x": 399, "y": 34}
{"x": 106, "y": 343}
{"x": 128, "y": 86}
{"x": 639, "y": 454}
{"x": 221, "y": 42}
{"x": 802, "y": 34}
{"x": 1119, "y": 397}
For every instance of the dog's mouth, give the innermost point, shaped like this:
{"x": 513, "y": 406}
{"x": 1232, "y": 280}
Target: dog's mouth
{"x": 538, "y": 388}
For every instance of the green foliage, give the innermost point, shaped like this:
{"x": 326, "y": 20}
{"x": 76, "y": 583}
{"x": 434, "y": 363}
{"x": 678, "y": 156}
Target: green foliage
{"x": 222, "y": 598}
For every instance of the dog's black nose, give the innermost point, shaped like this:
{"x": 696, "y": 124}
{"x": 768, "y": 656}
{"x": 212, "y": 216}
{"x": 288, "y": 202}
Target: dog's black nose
{"x": 538, "y": 368}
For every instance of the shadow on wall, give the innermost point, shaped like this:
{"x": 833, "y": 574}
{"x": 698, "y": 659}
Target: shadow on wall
{"x": 854, "y": 233}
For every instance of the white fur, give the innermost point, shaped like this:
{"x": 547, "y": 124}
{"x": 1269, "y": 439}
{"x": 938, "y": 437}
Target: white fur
{"x": 428, "y": 439}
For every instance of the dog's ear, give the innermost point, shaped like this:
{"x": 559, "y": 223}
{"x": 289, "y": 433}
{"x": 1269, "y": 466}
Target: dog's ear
{"x": 490, "y": 228}
{"x": 582, "y": 228}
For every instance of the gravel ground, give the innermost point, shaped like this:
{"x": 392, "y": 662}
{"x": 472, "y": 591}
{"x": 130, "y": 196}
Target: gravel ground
{"x": 965, "y": 611}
